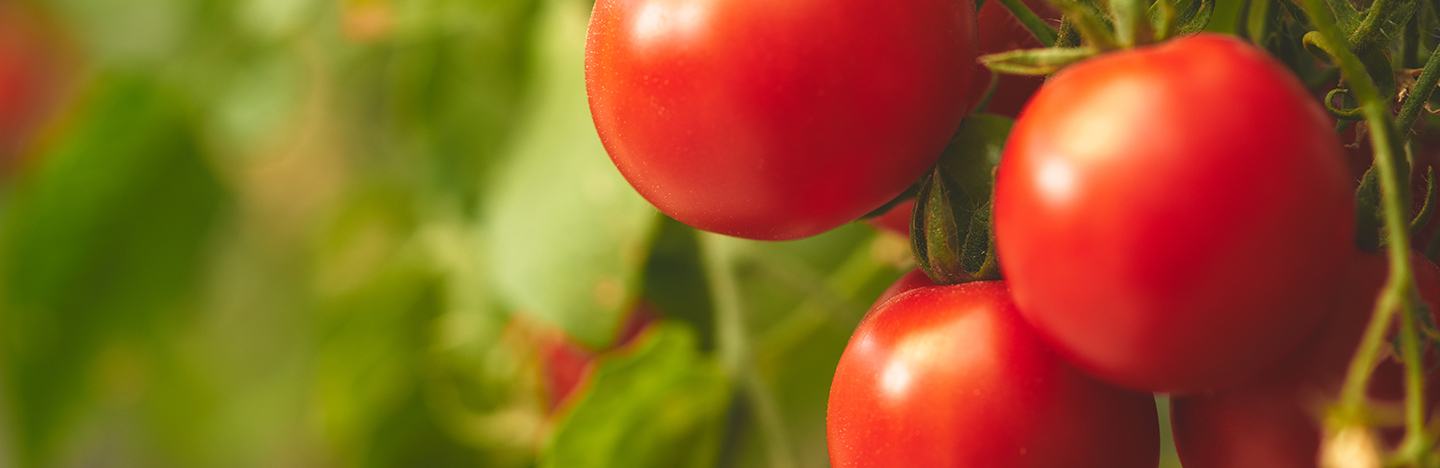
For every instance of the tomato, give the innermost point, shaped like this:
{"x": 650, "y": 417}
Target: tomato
{"x": 777, "y": 120}
{"x": 999, "y": 31}
{"x": 1274, "y": 423}
{"x": 897, "y": 220}
{"x": 915, "y": 279}
{"x": 29, "y": 71}
{"x": 1170, "y": 217}
{"x": 952, "y": 376}
{"x": 567, "y": 364}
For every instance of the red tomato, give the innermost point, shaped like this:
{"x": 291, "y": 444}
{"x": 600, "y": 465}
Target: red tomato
{"x": 1170, "y": 216}
{"x": 999, "y": 31}
{"x": 951, "y": 376}
{"x": 915, "y": 279}
{"x": 567, "y": 364}
{"x": 1274, "y": 423}
{"x": 897, "y": 220}
{"x": 777, "y": 120}
{"x": 29, "y": 71}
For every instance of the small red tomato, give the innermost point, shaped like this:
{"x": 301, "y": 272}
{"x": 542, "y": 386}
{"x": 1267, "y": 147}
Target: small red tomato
{"x": 1170, "y": 217}
{"x": 29, "y": 75}
{"x": 777, "y": 120}
{"x": 567, "y": 364}
{"x": 951, "y": 376}
{"x": 1274, "y": 423}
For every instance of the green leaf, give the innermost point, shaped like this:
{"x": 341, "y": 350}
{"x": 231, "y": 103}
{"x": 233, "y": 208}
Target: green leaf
{"x": 566, "y": 235}
{"x": 104, "y": 239}
{"x": 661, "y": 404}
{"x": 1036, "y": 61}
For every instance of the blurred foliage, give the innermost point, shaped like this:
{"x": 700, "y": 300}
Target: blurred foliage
{"x": 332, "y": 233}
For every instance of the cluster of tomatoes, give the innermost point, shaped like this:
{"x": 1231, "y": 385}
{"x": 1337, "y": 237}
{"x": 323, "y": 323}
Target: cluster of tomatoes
{"x": 1173, "y": 219}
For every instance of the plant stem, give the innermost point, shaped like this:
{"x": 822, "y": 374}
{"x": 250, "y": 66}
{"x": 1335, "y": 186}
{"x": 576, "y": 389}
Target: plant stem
{"x": 1368, "y": 25}
{"x": 1400, "y": 290}
{"x": 1033, "y": 22}
{"x": 1416, "y": 438}
{"x": 1419, "y": 93}
{"x": 734, "y": 346}
{"x": 1257, "y": 21}
{"x": 1131, "y": 21}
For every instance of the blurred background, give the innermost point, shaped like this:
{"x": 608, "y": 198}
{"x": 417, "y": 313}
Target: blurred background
{"x": 375, "y": 233}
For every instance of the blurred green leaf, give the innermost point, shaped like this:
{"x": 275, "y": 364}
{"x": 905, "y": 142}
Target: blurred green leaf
{"x": 658, "y": 405}
{"x": 675, "y": 281}
{"x": 378, "y": 299}
{"x": 105, "y": 237}
{"x": 434, "y": 91}
{"x": 567, "y": 236}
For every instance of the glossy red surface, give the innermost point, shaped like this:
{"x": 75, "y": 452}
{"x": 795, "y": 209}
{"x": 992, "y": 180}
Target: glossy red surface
{"x": 1170, "y": 217}
{"x": 951, "y": 376}
{"x": 777, "y": 119}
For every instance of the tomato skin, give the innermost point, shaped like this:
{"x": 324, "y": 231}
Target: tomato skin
{"x": 997, "y": 31}
{"x": 776, "y": 120}
{"x": 1154, "y": 204}
{"x": 1274, "y": 423}
{"x": 897, "y": 220}
{"x": 915, "y": 279}
{"x": 951, "y": 376}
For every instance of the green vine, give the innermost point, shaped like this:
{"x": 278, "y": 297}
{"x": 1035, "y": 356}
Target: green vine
{"x": 1399, "y": 293}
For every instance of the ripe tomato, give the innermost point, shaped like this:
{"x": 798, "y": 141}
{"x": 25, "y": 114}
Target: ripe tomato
{"x": 997, "y": 31}
{"x": 566, "y": 364}
{"x": 777, "y": 120}
{"x": 1169, "y": 216}
{"x": 1274, "y": 423}
{"x": 915, "y": 279}
{"x": 952, "y": 376}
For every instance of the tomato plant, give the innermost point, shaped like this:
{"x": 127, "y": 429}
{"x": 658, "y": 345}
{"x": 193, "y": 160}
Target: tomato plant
{"x": 952, "y": 376}
{"x": 1275, "y": 422}
{"x": 777, "y": 120}
{"x": 1156, "y": 203}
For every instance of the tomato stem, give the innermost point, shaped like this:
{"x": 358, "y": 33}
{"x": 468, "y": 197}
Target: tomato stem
{"x": 1419, "y": 93}
{"x": 1257, "y": 21}
{"x": 734, "y": 346}
{"x": 1130, "y": 22}
{"x": 1400, "y": 288}
{"x": 1399, "y": 292}
{"x": 1032, "y": 22}
{"x": 1365, "y": 33}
